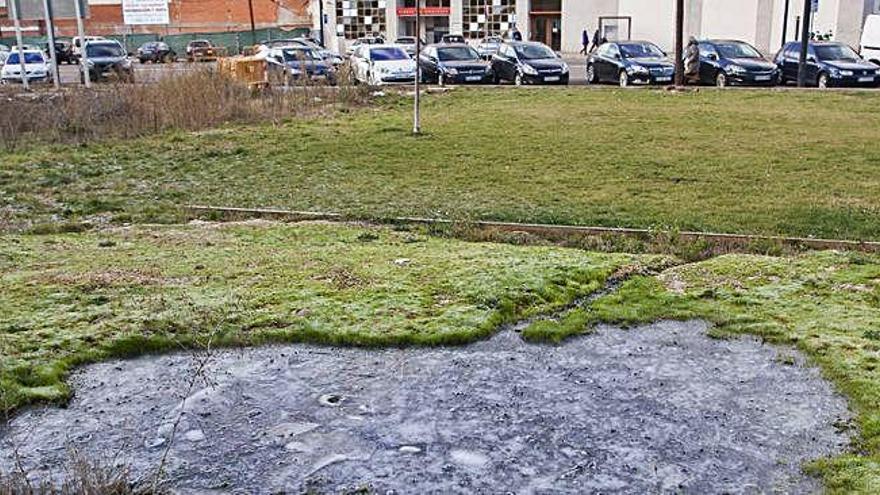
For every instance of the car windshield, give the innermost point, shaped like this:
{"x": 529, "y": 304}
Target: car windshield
{"x": 29, "y": 58}
{"x": 457, "y": 53}
{"x": 736, "y": 50}
{"x": 200, "y": 44}
{"x": 835, "y": 52}
{"x": 494, "y": 40}
{"x": 104, "y": 50}
{"x": 293, "y": 54}
{"x": 388, "y": 54}
{"x": 534, "y": 52}
{"x": 640, "y": 50}
{"x": 406, "y": 41}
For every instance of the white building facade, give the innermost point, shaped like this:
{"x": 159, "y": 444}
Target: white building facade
{"x": 560, "y": 23}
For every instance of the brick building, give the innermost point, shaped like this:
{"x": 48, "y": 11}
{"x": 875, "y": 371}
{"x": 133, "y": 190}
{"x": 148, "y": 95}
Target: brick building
{"x": 187, "y": 16}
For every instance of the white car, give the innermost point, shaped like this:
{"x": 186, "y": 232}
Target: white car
{"x": 35, "y": 65}
{"x": 870, "y": 44}
{"x": 378, "y": 65}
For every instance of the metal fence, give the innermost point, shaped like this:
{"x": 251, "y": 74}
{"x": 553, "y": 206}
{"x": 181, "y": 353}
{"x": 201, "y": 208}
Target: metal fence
{"x": 233, "y": 41}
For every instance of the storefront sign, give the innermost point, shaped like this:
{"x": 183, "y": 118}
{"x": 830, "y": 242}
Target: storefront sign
{"x": 426, "y": 11}
{"x": 136, "y": 12}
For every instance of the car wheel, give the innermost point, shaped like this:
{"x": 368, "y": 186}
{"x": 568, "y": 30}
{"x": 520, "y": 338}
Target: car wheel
{"x": 518, "y": 79}
{"x": 822, "y": 82}
{"x": 591, "y": 74}
{"x": 721, "y": 80}
{"x": 623, "y": 79}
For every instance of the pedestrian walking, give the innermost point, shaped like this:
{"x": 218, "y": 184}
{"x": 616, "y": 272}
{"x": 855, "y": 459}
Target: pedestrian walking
{"x": 596, "y": 41}
{"x": 585, "y": 41}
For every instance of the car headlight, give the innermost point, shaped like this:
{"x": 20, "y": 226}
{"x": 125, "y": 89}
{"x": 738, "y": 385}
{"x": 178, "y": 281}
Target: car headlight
{"x": 637, "y": 69}
{"x": 736, "y": 69}
{"x": 846, "y": 73}
{"x": 528, "y": 69}
{"x": 91, "y": 63}
{"x": 564, "y": 68}
{"x": 452, "y": 71}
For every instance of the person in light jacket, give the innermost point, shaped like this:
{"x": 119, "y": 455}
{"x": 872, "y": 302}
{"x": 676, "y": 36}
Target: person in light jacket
{"x": 692, "y": 61}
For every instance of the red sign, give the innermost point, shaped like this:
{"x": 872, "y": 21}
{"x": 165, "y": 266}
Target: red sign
{"x": 426, "y": 11}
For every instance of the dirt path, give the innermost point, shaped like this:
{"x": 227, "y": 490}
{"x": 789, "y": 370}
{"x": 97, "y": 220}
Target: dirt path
{"x": 656, "y": 409}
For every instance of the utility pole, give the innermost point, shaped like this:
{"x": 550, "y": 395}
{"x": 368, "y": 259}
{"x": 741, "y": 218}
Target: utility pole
{"x": 679, "y": 43}
{"x": 805, "y": 43}
{"x": 13, "y": 9}
{"x": 785, "y": 23}
{"x": 83, "y": 52}
{"x": 321, "y": 22}
{"x": 50, "y": 33}
{"x": 417, "y": 117}
{"x": 253, "y": 23}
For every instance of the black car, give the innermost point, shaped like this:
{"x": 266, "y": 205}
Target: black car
{"x": 629, "y": 62}
{"x": 828, "y": 64}
{"x": 157, "y": 52}
{"x": 732, "y": 62}
{"x": 107, "y": 59}
{"x": 456, "y": 64}
{"x": 528, "y": 63}
{"x": 63, "y": 51}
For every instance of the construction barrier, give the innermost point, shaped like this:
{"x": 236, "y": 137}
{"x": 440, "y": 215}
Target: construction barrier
{"x": 252, "y": 71}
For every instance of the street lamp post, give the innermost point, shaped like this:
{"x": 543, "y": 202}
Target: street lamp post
{"x": 679, "y": 43}
{"x": 805, "y": 43}
{"x": 417, "y": 117}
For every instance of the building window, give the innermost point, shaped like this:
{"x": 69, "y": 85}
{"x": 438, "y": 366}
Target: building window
{"x": 488, "y": 17}
{"x": 359, "y": 18}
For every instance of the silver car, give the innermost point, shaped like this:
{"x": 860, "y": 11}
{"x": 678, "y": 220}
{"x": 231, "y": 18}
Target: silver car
{"x": 489, "y": 46}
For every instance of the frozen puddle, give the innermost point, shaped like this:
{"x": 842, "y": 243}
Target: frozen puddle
{"x": 660, "y": 408}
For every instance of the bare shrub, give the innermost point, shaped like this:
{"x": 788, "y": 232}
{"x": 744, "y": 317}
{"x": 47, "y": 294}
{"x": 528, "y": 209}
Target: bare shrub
{"x": 192, "y": 100}
{"x": 81, "y": 476}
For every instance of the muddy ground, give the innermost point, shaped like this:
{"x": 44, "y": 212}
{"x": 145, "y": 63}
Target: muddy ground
{"x": 656, "y": 409}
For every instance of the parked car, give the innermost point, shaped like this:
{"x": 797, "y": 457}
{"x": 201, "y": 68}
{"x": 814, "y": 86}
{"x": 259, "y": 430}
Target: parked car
{"x": 35, "y": 66}
{"x": 870, "y": 43}
{"x": 382, "y": 64}
{"x": 731, "y": 62}
{"x": 157, "y": 52}
{"x": 528, "y": 63}
{"x": 328, "y": 56}
{"x": 366, "y": 40}
{"x": 3, "y": 55}
{"x": 408, "y": 43}
{"x": 107, "y": 59}
{"x": 3, "y": 48}
{"x": 455, "y": 64}
{"x": 452, "y": 39}
{"x": 77, "y": 43}
{"x": 629, "y": 62}
{"x": 64, "y": 52}
{"x": 829, "y": 63}
{"x": 202, "y": 51}
{"x": 489, "y": 46}
{"x": 292, "y": 64}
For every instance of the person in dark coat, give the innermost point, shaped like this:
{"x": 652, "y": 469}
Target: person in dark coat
{"x": 585, "y": 41}
{"x": 692, "y": 61}
{"x": 596, "y": 41}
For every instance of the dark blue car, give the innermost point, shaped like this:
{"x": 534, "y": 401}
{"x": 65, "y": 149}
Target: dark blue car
{"x": 829, "y": 64}
{"x": 299, "y": 63}
{"x": 732, "y": 62}
{"x": 629, "y": 62}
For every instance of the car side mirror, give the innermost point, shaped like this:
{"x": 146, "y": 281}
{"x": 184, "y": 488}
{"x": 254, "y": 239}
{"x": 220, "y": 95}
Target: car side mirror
{"x": 712, "y": 57}
{"x": 617, "y": 56}
{"x": 811, "y": 59}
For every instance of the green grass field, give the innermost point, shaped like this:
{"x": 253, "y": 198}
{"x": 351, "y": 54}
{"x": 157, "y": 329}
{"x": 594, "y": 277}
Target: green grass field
{"x": 765, "y": 162}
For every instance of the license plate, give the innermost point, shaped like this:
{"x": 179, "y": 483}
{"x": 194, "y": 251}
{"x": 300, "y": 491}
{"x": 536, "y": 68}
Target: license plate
{"x": 866, "y": 79}
{"x": 473, "y": 78}
{"x": 762, "y": 78}
{"x": 551, "y": 78}
{"x": 664, "y": 79}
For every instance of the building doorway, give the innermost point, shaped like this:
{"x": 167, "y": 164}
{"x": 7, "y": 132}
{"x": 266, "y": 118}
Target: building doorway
{"x": 546, "y": 22}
